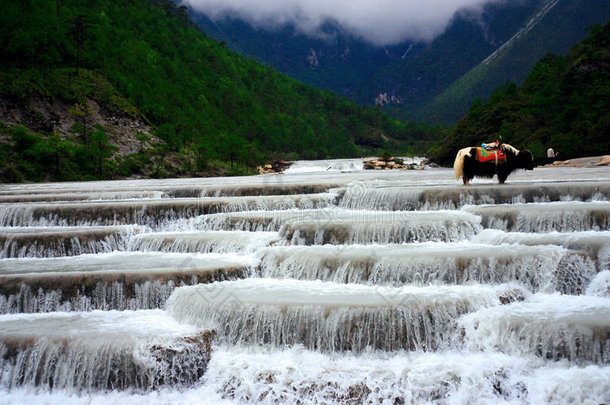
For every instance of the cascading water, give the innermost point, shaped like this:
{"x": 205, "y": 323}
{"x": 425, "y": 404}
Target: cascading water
{"x": 329, "y": 316}
{"x": 205, "y": 242}
{"x": 151, "y": 212}
{"x": 538, "y": 267}
{"x": 316, "y": 286}
{"x": 100, "y": 351}
{"x": 58, "y": 241}
{"x": 545, "y": 217}
{"x": 117, "y": 280}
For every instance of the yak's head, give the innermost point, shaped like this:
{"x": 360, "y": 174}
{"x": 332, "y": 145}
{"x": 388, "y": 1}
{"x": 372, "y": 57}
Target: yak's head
{"x": 526, "y": 159}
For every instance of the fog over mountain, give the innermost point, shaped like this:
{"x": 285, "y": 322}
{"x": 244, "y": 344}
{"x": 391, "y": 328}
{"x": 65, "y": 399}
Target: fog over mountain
{"x": 380, "y": 22}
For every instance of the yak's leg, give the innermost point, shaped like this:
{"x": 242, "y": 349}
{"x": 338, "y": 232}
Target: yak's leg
{"x": 466, "y": 180}
{"x": 502, "y": 178}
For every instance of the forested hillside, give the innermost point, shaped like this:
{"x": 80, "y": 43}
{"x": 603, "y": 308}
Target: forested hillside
{"x": 471, "y": 36}
{"x": 146, "y": 61}
{"x": 554, "y": 27}
{"x": 564, "y": 103}
{"x": 334, "y": 61}
{"x": 432, "y": 81}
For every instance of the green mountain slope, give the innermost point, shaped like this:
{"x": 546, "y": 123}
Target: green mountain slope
{"x": 436, "y": 82}
{"x": 552, "y": 27}
{"x": 470, "y": 37}
{"x": 408, "y": 73}
{"x": 200, "y": 98}
{"x": 335, "y": 61}
{"x": 563, "y": 103}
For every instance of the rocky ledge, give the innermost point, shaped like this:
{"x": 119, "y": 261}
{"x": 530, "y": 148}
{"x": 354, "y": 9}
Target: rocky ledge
{"x": 277, "y": 166}
{"x": 582, "y": 162}
{"x": 390, "y": 164}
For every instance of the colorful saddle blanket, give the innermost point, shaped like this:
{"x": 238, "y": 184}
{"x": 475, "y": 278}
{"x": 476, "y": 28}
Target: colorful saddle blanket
{"x": 494, "y": 156}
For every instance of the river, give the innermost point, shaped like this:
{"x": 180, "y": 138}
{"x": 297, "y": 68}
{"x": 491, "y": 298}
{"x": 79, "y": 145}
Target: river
{"x": 325, "y": 284}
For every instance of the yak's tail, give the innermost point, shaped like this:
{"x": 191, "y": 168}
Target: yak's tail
{"x": 458, "y": 165}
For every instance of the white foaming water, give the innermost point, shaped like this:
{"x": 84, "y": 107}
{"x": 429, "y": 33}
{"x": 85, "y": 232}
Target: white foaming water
{"x": 336, "y": 165}
{"x": 124, "y": 327}
{"x": 250, "y": 221}
{"x": 151, "y": 212}
{"x": 451, "y": 321}
{"x": 552, "y": 326}
{"x": 80, "y": 196}
{"x": 105, "y": 295}
{"x": 329, "y": 316}
{"x": 360, "y": 195}
{"x": 334, "y": 225}
{"x": 545, "y": 217}
{"x": 204, "y": 242}
{"x": 244, "y": 374}
{"x": 600, "y": 285}
{"x": 270, "y": 202}
{"x": 365, "y": 226}
{"x": 99, "y": 350}
{"x": 19, "y": 242}
{"x": 122, "y": 262}
{"x": 120, "y": 280}
{"x": 417, "y": 263}
{"x": 285, "y": 293}
{"x": 45, "y": 230}
{"x": 595, "y": 243}
{"x": 573, "y": 240}
{"x": 295, "y": 375}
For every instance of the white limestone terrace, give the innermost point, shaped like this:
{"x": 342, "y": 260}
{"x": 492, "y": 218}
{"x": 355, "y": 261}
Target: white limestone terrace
{"x": 122, "y": 263}
{"x": 209, "y": 186}
{"x": 594, "y": 243}
{"x": 148, "y": 211}
{"x": 241, "y": 242}
{"x": 332, "y": 316}
{"x": 100, "y": 350}
{"x": 422, "y": 264}
{"x": 40, "y": 241}
{"x": 544, "y": 217}
{"x": 553, "y": 326}
{"x": 438, "y": 197}
{"x": 450, "y": 312}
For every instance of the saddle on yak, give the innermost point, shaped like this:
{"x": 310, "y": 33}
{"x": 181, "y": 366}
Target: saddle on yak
{"x": 493, "y": 151}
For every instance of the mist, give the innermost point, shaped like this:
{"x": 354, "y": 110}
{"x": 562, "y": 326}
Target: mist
{"x": 380, "y": 22}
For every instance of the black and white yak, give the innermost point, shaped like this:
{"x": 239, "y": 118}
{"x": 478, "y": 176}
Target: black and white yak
{"x": 471, "y": 162}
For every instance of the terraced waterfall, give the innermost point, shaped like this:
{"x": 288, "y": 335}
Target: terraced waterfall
{"x": 327, "y": 284}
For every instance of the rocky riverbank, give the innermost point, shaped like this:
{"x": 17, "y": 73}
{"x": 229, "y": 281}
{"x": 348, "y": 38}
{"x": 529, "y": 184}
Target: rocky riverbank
{"x": 582, "y": 162}
{"x": 390, "y": 164}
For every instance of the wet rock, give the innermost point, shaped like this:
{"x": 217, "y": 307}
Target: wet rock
{"x": 276, "y": 166}
{"x": 102, "y": 352}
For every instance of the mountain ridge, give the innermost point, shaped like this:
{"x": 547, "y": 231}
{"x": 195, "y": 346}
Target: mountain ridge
{"x": 563, "y": 103}
{"x": 206, "y": 105}
{"x": 421, "y": 86}
{"x": 517, "y": 58}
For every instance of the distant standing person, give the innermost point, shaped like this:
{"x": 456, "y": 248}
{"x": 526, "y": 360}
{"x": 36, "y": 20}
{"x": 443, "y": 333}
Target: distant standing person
{"x": 550, "y": 156}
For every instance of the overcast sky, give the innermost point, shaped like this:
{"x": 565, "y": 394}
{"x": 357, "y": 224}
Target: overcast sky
{"x": 382, "y": 22}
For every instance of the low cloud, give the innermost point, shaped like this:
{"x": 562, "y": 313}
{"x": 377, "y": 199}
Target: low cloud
{"x": 381, "y": 22}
